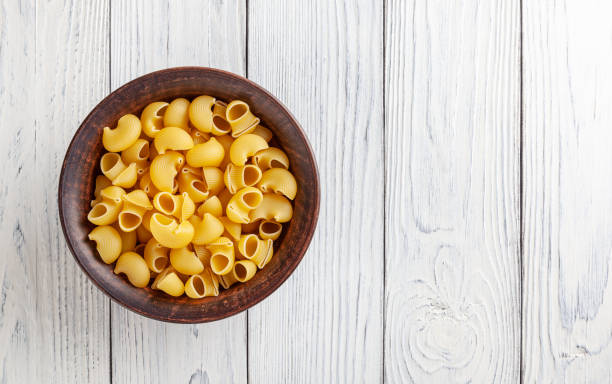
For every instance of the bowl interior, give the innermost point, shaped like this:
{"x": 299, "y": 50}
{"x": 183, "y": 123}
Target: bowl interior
{"x": 81, "y": 166}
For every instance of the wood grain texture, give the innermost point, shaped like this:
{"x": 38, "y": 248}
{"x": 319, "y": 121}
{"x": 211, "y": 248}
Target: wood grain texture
{"x": 452, "y": 297}
{"x": 54, "y": 324}
{"x": 567, "y": 179}
{"x": 147, "y": 36}
{"x": 324, "y": 61}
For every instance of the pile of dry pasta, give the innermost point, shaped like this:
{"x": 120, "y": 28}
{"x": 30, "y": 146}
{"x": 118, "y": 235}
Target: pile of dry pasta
{"x": 191, "y": 195}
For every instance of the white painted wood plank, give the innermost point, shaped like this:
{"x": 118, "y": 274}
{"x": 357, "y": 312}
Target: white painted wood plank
{"x": 324, "y": 60}
{"x": 54, "y": 324}
{"x": 567, "y": 291}
{"x": 452, "y": 89}
{"x": 147, "y": 36}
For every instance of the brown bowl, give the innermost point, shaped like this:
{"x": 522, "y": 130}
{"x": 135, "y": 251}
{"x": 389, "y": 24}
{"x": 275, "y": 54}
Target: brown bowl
{"x": 80, "y": 168}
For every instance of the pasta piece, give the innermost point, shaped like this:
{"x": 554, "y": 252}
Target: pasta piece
{"x": 169, "y": 282}
{"x": 152, "y": 118}
{"x": 271, "y": 158}
{"x": 224, "y": 197}
{"x": 134, "y": 267}
{"x": 207, "y": 230}
{"x": 273, "y": 207}
{"x": 244, "y": 270}
{"x": 222, "y": 255}
{"x": 185, "y": 261}
{"x": 203, "y": 253}
{"x": 136, "y": 204}
{"x": 202, "y": 285}
{"x": 208, "y": 154}
{"x": 246, "y": 146}
{"x": 226, "y": 141}
{"x": 214, "y": 179}
{"x": 242, "y": 203}
{"x": 142, "y": 233}
{"x": 231, "y": 228}
{"x": 251, "y": 227}
{"x": 123, "y": 136}
{"x": 177, "y": 114}
{"x": 164, "y": 169}
{"x": 111, "y": 165}
{"x": 108, "y": 242}
{"x": 127, "y": 178}
{"x": 173, "y": 138}
{"x": 104, "y": 213}
{"x": 191, "y": 184}
{"x": 252, "y": 248}
{"x": 169, "y": 233}
{"x": 187, "y": 207}
{"x": 236, "y": 177}
{"x": 201, "y": 114}
{"x": 128, "y": 239}
{"x": 220, "y": 125}
{"x": 156, "y": 256}
{"x": 280, "y": 181}
{"x": 137, "y": 153}
{"x": 212, "y": 205}
{"x": 167, "y": 203}
{"x": 263, "y": 132}
{"x": 240, "y": 117}
{"x": 269, "y": 230}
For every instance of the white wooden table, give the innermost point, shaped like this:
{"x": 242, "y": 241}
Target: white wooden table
{"x": 465, "y": 156}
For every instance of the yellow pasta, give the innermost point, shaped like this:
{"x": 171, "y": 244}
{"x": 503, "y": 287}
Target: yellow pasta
{"x": 269, "y": 229}
{"x": 152, "y": 118}
{"x": 246, "y": 146}
{"x": 169, "y": 282}
{"x": 135, "y": 268}
{"x": 164, "y": 169}
{"x": 108, "y": 242}
{"x": 280, "y": 181}
{"x": 169, "y": 233}
{"x": 212, "y": 205}
{"x": 252, "y": 248}
{"x": 156, "y": 256}
{"x": 185, "y": 261}
{"x": 271, "y": 158}
{"x": 123, "y": 136}
{"x": 207, "y": 229}
{"x": 208, "y": 154}
{"x": 177, "y": 114}
{"x": 201, "y": 114}
{"x": 273, "y": 207}
{"x": 222, "y": 255}
{"x": 239, "y": 116}
{"x": 173, "y": 138}
{"x": 190, "y": 196}
{"x": 238, "y": 177}
{"x": 263, "y": 132}
{"x": 243, "y": 202}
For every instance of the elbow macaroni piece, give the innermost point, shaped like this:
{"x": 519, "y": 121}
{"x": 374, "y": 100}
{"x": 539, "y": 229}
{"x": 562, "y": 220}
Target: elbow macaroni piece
{"x": 185, "y": 261}
{"x": 208, "y": 154}
{"x": 164, "y": 169}
{"x": 173, "y": 138}
{"x": 271, "y": 158}
{"x": 108, "y": 242}
{"x": 191, "y": 196}
{"x": 279, "y": 181}
{"x": 177, "y": 114}
{"x": 123, "y": 136}
{"x": 243, "y": 202}
{"x": 201, "y": 114}
{"x": 238, "y": 114}
{"x": 246, "y": 146}
{"x": 273, "y": 207}
{"x": 135, "y": 268}
{"x": 152, "y": 118}
{"x": 236, "y": 177}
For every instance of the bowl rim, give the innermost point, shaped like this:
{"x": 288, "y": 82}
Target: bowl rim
{"x": 274, "y": 284}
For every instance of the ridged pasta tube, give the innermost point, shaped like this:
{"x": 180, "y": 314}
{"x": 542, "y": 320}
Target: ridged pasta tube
{"x": 269, "y": 229}
{"x": 164, "y": 169}
{"x": 169, "y": 233}
{"x": 135, "y": 268}
{"x": 246, "y": 146}
{"x": 243, "y": 202}
{"x": 279, "y": 181}
{"x": 238, "y": 177}
{"x": 271, "y": 158}
{"x": 123, "y": 136}
{"x": 239, "y": 115}
{"x": 108, "y": 242}
{"x": 208, "y": 154}
{"x": 207, "y": 229}
{"x": 152, "y": 118}
{"x": 177, "y": 114}
{"x": 201, "y": 114}
{"x": 273, "y": 207}
{"x": 172, "y": 138}
{"x": 169, "y": 282}
{"x": 212, "y": 205}
{"x": 156, "y": 256}
{"x": 222, "y": 255}
{"x": 185, "y": 261}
